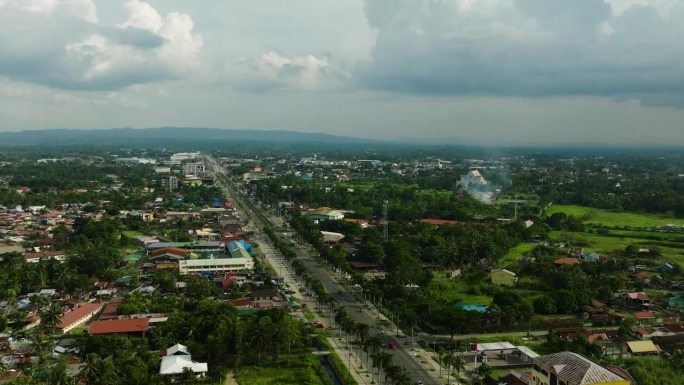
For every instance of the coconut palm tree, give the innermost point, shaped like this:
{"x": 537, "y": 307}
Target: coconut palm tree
{"x": 392, "y": 372}
{"x": 457, "y": 364}
{"x": 483, "y": 371}
{"x": 384, "y": 361}
{"x": 362, "y": 330}
{"x": 448, "y": 358}
{"x": 92, "y": 371}
{"x": 372, "y": 345}
{"x": 58, "y": 374}
{"x": 40, "y": 345}
{"x": 51, "y": 318}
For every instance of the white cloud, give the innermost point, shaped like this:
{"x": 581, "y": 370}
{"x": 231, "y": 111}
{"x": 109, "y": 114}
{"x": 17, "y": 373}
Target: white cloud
{"x": 60, "y": 44}
{"x": 83, "y": 9}
{"x": 274, "y": 70}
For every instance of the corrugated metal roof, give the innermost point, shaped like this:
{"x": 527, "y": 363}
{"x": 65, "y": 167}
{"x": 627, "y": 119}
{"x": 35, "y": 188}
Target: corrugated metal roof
{"x": 575, "y": 369}
{"x": 119, "y": 326}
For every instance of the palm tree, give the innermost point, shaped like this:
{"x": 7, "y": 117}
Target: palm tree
{"x": 261, "y": 337}
{"x": 91, "y": 371}
{"x": 402, "y": 378}
{"x": 483, "y": 371}
{"x": 51, "y": 317}
{"x": 108, "y": 373}
{"x": 392, "y": 372}
{"x": 58, "y": 374}
{"x": 384, "y": 362}
{"x": 40, "y": 345}
{"x": 458, "y": 364}
{"x": 448, "y": 359}
{"x": 372, "y": 345}
{"x": 340, "y": 314}
{"x": 362, "y": 331}
{"x": 348, "y": 325}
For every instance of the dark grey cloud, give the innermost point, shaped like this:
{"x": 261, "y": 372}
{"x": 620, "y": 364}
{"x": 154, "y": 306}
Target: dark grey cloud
{"x": 525, "y": 48}
{"x": 138, "y": 38}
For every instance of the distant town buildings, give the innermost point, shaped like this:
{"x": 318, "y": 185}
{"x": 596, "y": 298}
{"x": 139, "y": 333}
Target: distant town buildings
{"x": 324, "y": 214}
{"x": 134, "y": 161}
{"x": 183, "y": 156}
{"x": 170, "y": 183}
{"x": 194, "y": 168}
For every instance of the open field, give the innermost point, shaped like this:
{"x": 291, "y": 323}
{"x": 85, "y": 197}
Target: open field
{"x": 606, "y": 244}
{"x": 593, "y": 216}
{"x": 455, "y": 290}
{"x": 511, "y": 258}
{"x": 131, "y": 233}
{"x": 297, "y": 371}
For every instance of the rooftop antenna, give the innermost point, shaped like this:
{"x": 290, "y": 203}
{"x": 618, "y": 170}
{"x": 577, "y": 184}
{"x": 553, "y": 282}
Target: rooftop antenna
{"x": 385, "y": 216}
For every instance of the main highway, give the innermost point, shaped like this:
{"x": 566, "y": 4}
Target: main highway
{"x": 360, "y": 311}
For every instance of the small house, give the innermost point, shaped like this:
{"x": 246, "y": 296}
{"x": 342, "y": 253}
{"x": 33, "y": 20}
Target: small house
{"x": 638, "y": 300}
{"x": 177, "y": 359}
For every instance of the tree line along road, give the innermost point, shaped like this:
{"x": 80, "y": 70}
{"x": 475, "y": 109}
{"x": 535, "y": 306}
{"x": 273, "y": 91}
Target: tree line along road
{"x": 357, "y": 309}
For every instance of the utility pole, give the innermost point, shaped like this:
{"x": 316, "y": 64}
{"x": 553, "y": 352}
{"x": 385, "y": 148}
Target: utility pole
{"x": 385, "y": 216}
{"x": 515, "y": 215}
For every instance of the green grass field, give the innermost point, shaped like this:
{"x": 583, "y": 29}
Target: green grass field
{"x": 593, "y": 216}
{"x": 131, "y": 233}
{"x": 303, "y": 370}
{"x": 511, "y": 258}
{"x": 604, "y": 244}
{"x": 455, "y": 290}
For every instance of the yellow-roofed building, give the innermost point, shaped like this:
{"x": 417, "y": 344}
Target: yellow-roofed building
{"x": 643, "y": 347}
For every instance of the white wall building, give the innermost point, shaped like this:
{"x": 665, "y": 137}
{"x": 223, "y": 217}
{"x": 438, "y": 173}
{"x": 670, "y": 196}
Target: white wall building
{"x": 177, "y": 359}
{"x": 194, "y": 168}
{"x": 181, "y": 156}
{"x": 472, "y": 179}
{"x": 195, "y": 266}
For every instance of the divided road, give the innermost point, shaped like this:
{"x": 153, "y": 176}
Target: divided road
{"x": 356, "y": 309}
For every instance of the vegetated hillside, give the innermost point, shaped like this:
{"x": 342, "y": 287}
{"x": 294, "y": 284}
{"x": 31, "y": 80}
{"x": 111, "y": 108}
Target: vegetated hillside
{"x": 152, "y": 136}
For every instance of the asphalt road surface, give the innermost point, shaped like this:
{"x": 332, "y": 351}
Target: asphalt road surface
{"x": 356, "y": 309}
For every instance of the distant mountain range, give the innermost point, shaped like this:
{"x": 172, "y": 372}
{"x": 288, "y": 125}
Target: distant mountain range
{"x": 161, "y": 135}
{"x": 216, "y": 138}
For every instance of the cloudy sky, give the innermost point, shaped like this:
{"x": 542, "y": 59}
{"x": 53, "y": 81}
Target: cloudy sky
{"x": 497, "y": 71}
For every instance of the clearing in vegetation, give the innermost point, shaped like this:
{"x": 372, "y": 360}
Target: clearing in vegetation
{"x": 593, "y": 216}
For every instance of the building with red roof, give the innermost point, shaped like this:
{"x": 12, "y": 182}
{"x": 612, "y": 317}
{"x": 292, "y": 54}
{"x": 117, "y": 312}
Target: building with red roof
{"x": 79, "y": 316}
{"x": 644, "y": 315}
{"x": 566, "y": 261}
{"x": 638, "y": 300}
{"x": 438, "y": 222}
{"x": 120, "y": 326}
